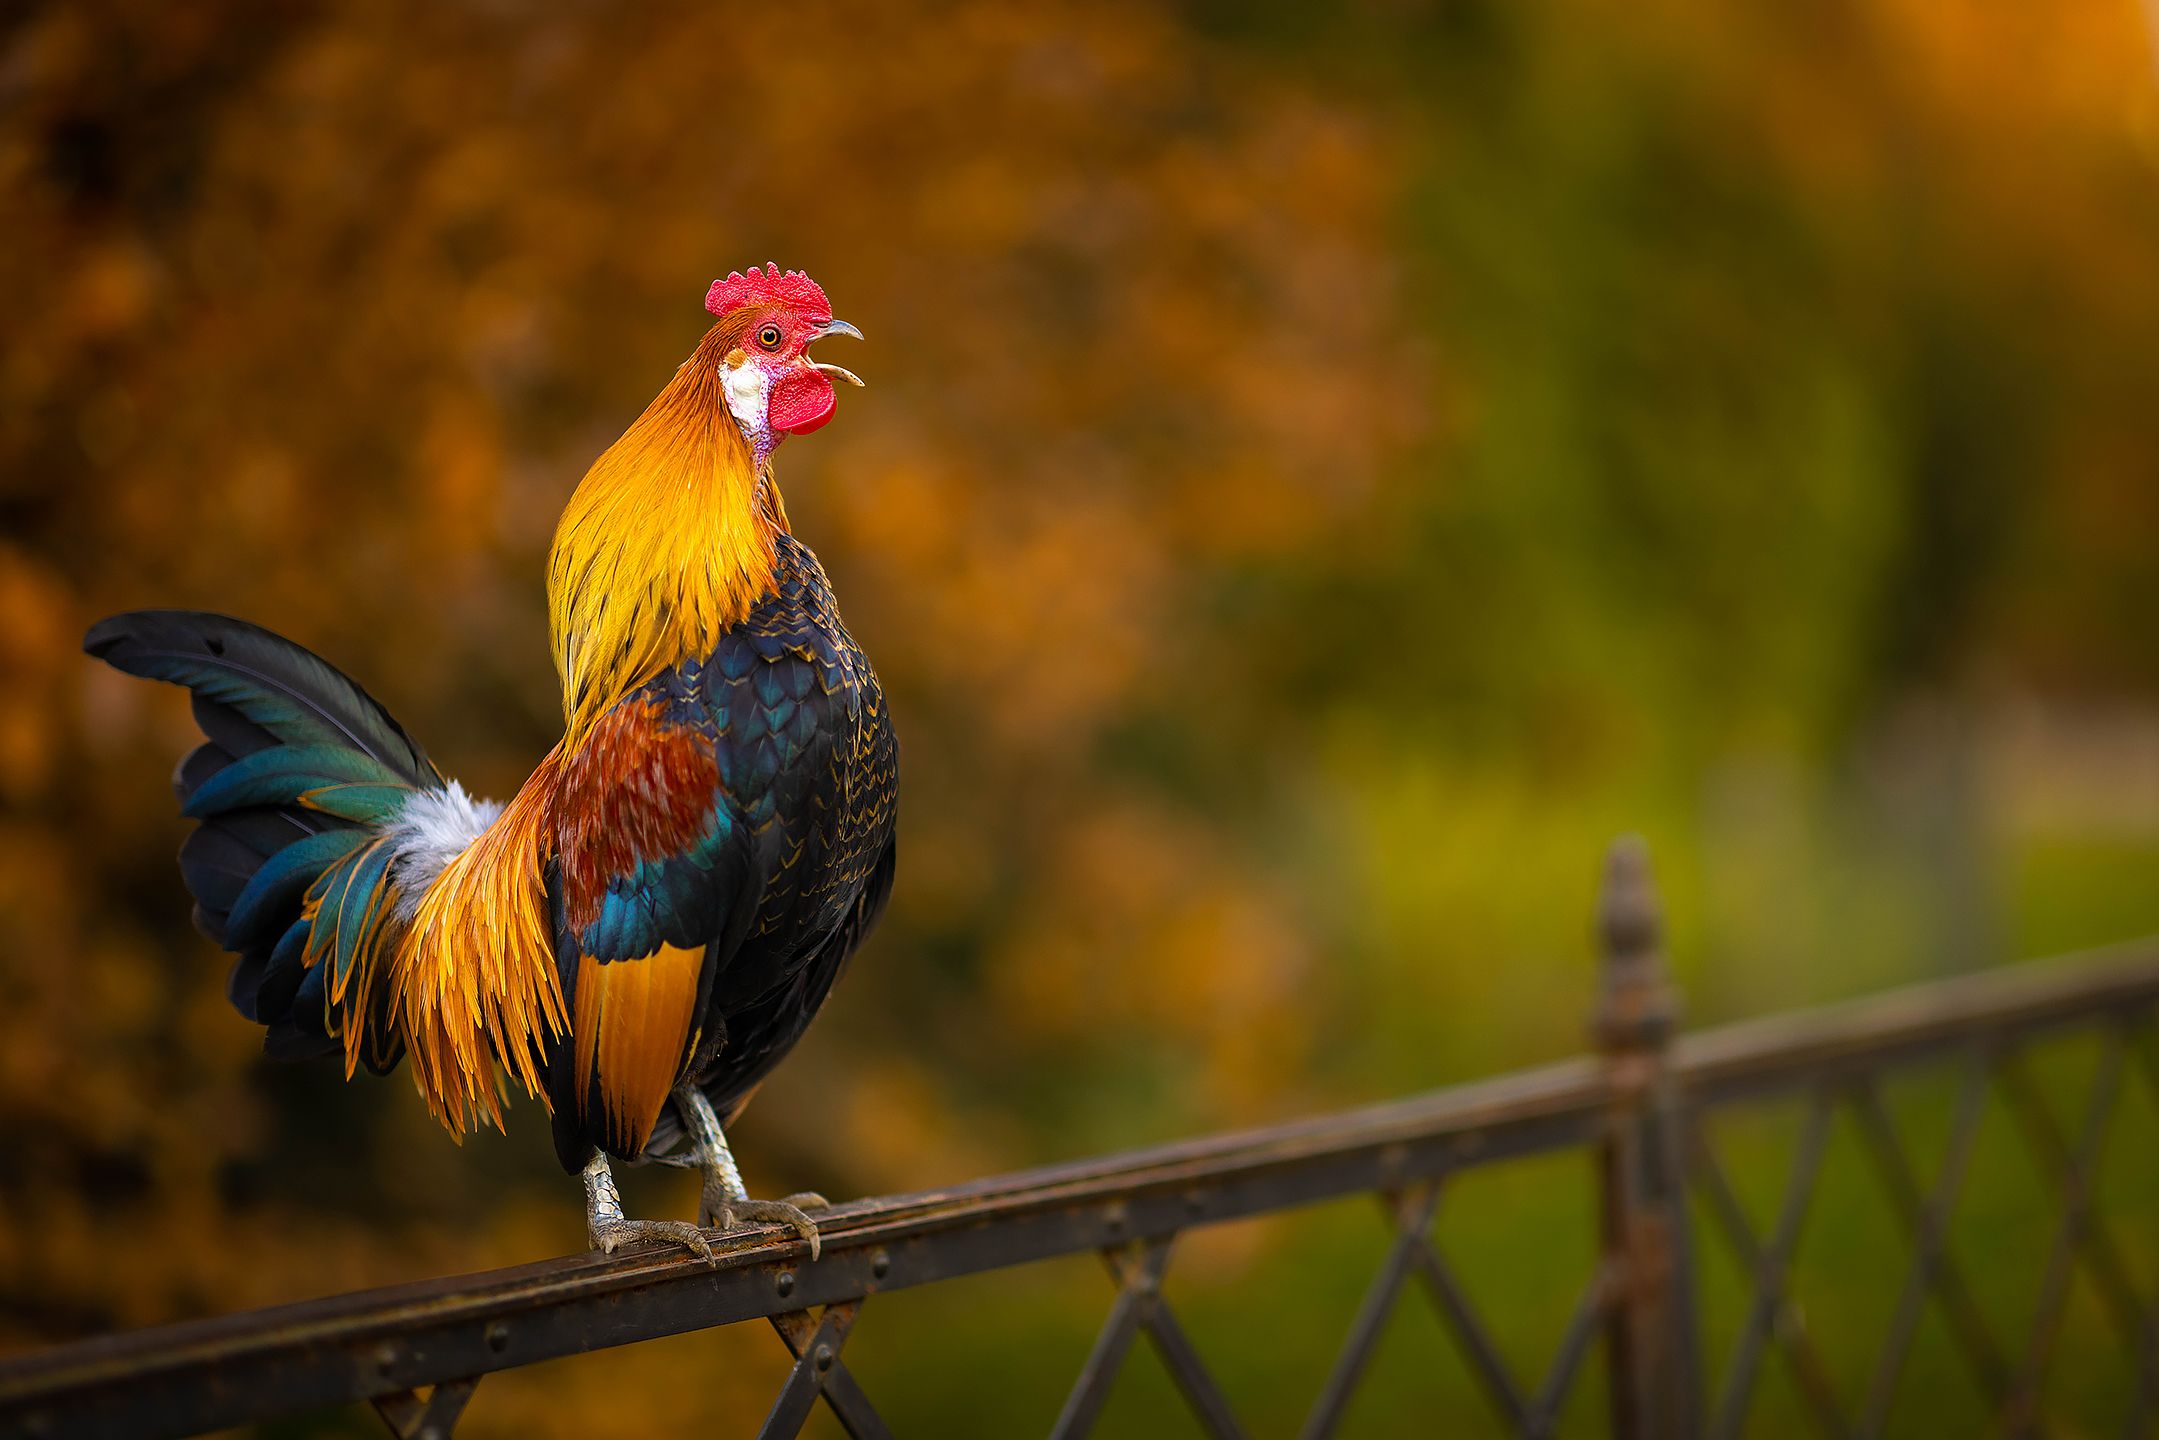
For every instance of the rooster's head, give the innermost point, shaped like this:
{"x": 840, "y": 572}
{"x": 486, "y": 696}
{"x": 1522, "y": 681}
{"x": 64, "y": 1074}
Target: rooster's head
{"x": 767, "y": 322}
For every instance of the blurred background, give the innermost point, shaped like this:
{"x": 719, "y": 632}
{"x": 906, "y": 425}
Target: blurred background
{"x": 1324, "y": 471}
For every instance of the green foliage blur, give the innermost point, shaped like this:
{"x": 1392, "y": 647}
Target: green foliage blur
{"x": 1324, "y": 471}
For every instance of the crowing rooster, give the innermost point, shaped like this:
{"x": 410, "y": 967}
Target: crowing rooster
{"x": 663, "y": 906}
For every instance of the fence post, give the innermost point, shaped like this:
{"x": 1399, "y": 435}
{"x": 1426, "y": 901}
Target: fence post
{"x": 1652, "y": 1355}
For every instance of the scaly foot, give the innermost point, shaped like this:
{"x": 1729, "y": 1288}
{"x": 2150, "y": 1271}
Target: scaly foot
{"x": 609, "y": 1235}
{"x": 725, "y": 1202}
{"x": 729, "y": 1213}
{"x": 609, "y": 1229}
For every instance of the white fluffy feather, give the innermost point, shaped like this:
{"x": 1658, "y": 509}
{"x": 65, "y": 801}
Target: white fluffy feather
{"x": 748, "y": 396}
{"x": 434, "y": 828}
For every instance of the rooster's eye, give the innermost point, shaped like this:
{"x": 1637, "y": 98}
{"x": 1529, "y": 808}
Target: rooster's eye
{"x": 769, "y": 336}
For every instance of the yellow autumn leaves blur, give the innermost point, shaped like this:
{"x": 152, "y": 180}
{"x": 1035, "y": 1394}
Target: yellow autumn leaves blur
{"x": 319, "y": 317}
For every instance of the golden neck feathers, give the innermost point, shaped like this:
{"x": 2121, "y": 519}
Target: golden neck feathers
{"x": 665, "y": 545}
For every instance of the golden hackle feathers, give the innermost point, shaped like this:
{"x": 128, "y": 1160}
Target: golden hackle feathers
{"x": 666, "y": 544}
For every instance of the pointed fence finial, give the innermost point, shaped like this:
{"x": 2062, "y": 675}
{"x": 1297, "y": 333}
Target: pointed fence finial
{"x": 1653, "y": 1354}
{"x": 1636, "y": 1006}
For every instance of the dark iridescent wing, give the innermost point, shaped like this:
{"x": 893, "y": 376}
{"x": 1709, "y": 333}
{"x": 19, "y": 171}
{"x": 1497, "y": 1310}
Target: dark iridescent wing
{"x": 649, "y": 862}
{"x": 684, "y": 823}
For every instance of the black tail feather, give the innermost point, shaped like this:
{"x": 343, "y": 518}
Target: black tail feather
{"x": 254, "y": 690}
{"x": 281, "y": 692}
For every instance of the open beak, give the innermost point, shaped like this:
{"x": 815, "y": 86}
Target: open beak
{"x": 837, "y": 372}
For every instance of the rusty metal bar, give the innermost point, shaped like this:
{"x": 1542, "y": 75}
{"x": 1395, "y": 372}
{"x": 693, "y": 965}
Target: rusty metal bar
{"x": 1653, "y": 1352}
{"x": 2074, "y": 1231}
{"x": 204, "y": 1375}
{"x": 1140, "y": 1305}
{"x": 1412, "y": 1213}
{"x": 433, "y": 1416}
{"x": 1932, "y": 1267}
{"x": 1772, "y": 1315}
{"x": 2093, "y": 1239}
{"x": 1090, "y": 1392}
{"x": 1144, "y": 1271}
{"x": 1470, "y": 1336}
{"x": 816, "y": 1353}
{"x": 1995, "y": 1008}
{"x": 1581, "y": 1333}
{"x": 354, "y": 1347}
{"x": 838, "y": 1387}
{"x": 2138, "y": 1422}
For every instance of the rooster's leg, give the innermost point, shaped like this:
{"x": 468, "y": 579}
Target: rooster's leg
{"x": 605, "y": 1223}
{"x": 726, "y": 1201}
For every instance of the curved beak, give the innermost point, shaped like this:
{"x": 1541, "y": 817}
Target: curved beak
{"x": 837, "y": 372}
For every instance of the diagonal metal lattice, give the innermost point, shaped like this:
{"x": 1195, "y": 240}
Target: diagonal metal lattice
{"x": 1413, "y": 1253}
{"x": 433, "y": 1416}
{"x": 2143, "y": 1416}
{"x": 818, "y": 1374}
{"x": 2013, "y": 1387}
{"x": 2079, "y": 1231}
{"x": 1772, "y": 1313}
{"x": 1413, "y": 1214}
{"x": 1933, "y": 1268}
{"x": 1140, "y": 1306}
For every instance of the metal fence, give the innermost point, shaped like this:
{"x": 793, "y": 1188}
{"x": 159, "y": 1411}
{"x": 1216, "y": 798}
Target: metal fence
{"x": 1641, "y": 1106}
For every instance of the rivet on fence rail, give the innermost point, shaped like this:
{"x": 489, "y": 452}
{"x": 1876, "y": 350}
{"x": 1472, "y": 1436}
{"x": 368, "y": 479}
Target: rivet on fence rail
{"x": 820, "y": 1374}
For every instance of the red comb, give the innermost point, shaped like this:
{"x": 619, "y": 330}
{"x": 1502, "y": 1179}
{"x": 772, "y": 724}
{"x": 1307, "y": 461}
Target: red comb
{"x": 769, "y": 287}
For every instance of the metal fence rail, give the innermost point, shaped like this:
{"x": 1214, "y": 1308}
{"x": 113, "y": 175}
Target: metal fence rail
{"x": 1644, "y": 1106}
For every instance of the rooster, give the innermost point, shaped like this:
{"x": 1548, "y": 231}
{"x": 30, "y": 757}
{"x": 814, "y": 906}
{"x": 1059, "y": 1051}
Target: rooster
{"x": 661, "y": 908}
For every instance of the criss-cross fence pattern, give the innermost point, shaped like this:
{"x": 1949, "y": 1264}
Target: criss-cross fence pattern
{"x": 1649, "y": 1108}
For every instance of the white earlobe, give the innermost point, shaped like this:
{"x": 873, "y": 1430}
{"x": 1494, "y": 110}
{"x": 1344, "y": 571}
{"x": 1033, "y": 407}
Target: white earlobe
{"x": 746, "y": 398}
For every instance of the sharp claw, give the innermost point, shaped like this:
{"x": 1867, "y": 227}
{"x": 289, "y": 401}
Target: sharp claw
{"x": 717, "y": 1210}
{"x": 781, "y": 1212}
{"x": 613, "y": 1236}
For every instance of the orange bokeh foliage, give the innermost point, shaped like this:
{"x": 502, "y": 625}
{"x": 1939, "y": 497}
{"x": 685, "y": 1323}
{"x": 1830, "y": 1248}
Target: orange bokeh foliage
{"x": 1323, "y": 470}
{"x": 318, "y": 317}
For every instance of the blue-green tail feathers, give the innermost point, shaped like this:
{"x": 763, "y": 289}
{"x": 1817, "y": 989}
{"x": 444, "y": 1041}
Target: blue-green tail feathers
{"x": 258, "y": 688}
{"x": 298, "y": 768}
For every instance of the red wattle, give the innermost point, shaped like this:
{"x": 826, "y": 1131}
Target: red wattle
{"x": 801, "y": 401}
